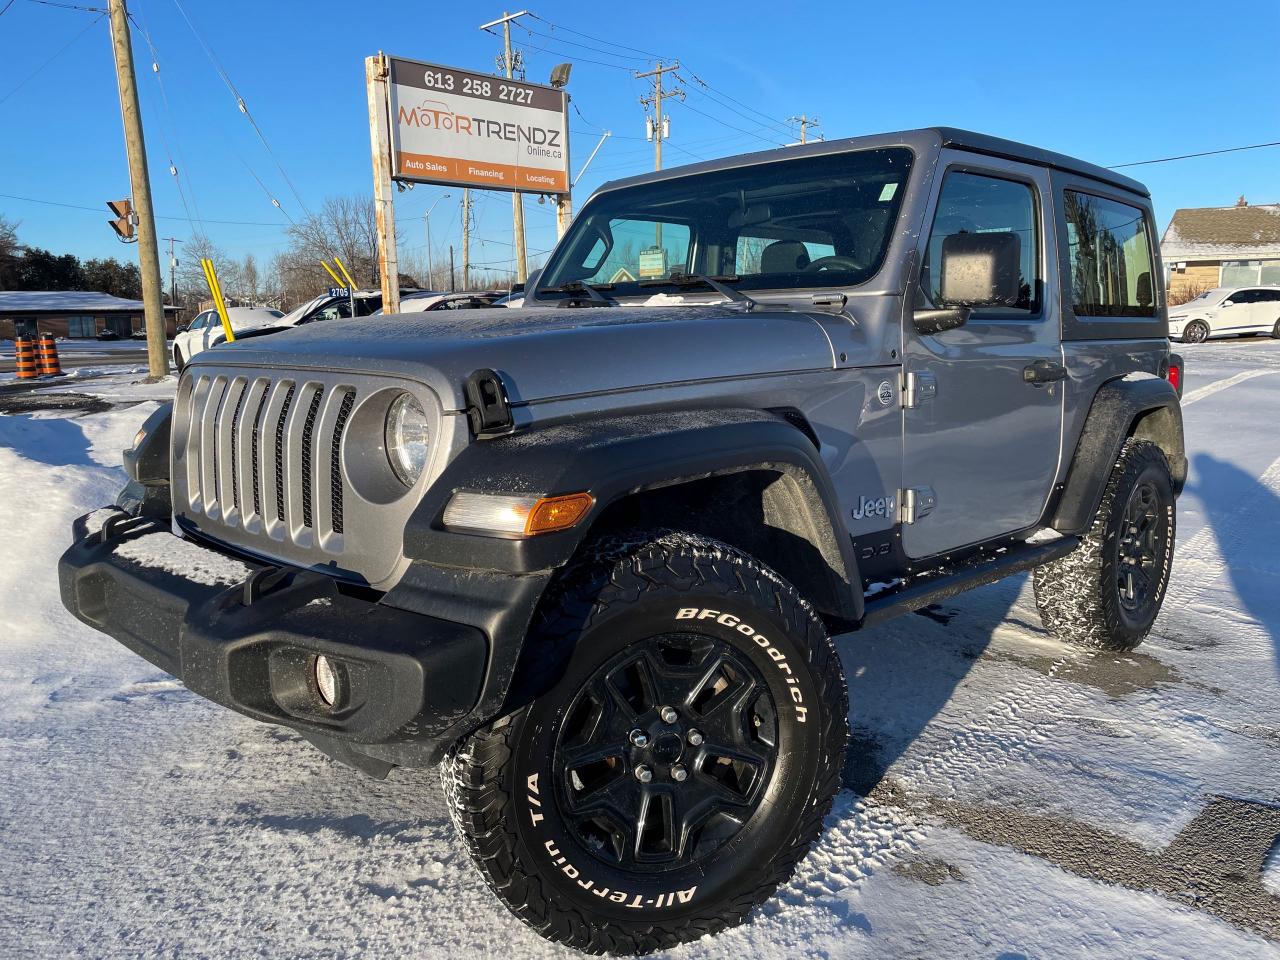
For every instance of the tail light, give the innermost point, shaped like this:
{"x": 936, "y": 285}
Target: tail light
{"x": 1174, "y": 373}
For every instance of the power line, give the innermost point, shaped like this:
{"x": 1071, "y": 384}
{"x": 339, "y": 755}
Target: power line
{"x": 712, "y": 90}
{"x": 584, "y": 46}
{"x": 1189, "y": 156}
{"x": 608, "y": 43}
{"x": 573, "y": 56}
{"x": 706, "y": 93}
{"x": 723, "y": 123}
{"x": 164, "y": 136}
{"x": 244, "y": 108}
{"x": 7, "y": 6}
{"x": 61, "y": 50}
{"x": 98, "y": 210}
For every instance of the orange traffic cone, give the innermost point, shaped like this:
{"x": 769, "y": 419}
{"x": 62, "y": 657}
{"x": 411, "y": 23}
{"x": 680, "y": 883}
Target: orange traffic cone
{"x": 47, "y": 356}
{"x": 25, "y": 359}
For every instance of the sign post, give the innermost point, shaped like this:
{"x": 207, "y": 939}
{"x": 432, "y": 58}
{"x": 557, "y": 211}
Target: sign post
{"x": 376, "y": 79}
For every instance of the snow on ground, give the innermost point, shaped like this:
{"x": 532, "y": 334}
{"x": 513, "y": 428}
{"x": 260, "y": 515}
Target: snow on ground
{"x": 1008, "y": 797}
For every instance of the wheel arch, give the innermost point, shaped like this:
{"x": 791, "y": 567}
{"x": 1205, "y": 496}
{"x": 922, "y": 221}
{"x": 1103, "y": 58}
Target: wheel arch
{"x": 660, "y": 469}
{"x": 1142, "y": 406}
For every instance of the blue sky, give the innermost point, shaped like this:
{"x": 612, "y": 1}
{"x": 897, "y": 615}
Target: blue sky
{"x": 1108, "y": 82}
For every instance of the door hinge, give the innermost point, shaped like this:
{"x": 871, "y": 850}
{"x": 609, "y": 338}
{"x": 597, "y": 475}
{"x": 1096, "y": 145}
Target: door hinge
{"x": 920, "y": 387}
{"x": 916, "y": 503}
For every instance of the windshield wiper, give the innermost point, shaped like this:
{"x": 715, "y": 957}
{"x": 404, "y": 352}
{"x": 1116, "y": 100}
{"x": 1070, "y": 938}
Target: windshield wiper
{"x": 577, "y": 286}
{"x": 719, "y": 284}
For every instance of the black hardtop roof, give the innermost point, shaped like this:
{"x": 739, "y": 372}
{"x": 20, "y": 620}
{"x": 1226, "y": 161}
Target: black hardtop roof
{"x": 920, "y": 139}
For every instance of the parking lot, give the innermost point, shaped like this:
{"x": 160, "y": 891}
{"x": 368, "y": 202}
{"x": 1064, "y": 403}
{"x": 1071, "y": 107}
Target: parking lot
{"x": 1006, "y": 796}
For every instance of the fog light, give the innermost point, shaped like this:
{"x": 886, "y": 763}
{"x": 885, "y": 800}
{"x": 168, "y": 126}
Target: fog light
{"x": 326, "y": 680}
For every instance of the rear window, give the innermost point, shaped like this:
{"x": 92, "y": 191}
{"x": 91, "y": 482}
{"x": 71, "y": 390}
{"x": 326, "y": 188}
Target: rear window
{"x": 1112, "y": 269}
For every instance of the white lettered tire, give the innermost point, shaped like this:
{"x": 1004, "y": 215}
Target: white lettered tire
{"x": 686, "y": 662}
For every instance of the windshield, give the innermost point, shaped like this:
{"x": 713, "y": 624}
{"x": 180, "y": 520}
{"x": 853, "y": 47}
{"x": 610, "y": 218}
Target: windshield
{"x": 808, "y": 222}
{"x": 297, "y": 313}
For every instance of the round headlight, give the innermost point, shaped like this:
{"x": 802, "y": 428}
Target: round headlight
{"x": 407, "y": 438}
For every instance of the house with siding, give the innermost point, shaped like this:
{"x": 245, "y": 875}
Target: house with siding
{"x": 74, "y": 314}
{"x": 1205, "y": 247}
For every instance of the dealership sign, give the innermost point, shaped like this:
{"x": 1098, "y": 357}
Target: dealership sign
{"x": 468, "y": 129}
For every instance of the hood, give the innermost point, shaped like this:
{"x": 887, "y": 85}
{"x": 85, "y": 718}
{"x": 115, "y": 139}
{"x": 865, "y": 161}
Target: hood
{"x": 546, "y": 353}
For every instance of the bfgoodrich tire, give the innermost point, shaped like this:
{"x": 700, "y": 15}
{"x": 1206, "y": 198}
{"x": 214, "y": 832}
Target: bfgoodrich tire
{"x": 681, "y": 766}
{"x": 1107, "y": 592}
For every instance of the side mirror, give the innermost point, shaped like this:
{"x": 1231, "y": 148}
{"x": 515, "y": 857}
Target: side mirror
{"x": 977, "y": 270}
{"x": 1228, "y": 303}
{"x": 980, "y": 270}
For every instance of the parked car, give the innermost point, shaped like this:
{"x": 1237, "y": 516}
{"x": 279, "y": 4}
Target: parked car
{"x": 1227, "y": 312}
{"x": 423, "y": 300}
{"x": 590, "y": 555}
{"x": 205, "y": 330}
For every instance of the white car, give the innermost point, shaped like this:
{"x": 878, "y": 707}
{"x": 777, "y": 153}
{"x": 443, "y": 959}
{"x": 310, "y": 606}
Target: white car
{"x": 206, "y": 330}
{"x": 1226, "y": 312}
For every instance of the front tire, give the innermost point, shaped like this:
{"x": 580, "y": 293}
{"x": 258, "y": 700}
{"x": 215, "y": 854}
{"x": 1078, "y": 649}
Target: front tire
{"x": 1107, "y": 592}
{"x": 1275, "y": 331}
{"x": 681, "y": 766}
{"x": 1197, "y": 331}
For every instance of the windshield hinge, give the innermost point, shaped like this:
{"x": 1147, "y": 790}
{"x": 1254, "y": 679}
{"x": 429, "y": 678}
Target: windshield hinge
{"x": 832, "y": 302}
{"x": 488, "y": 409}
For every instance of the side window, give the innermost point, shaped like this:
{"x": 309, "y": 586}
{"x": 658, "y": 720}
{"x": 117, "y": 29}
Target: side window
{"x": 1110, "y": 257}
{"x": 1269, "y": 296}
{"x": 974, "y": 203}
{"x": 1241, "y": 297}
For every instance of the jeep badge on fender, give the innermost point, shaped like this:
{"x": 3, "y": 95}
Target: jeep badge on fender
{"x": 588, "y": 555}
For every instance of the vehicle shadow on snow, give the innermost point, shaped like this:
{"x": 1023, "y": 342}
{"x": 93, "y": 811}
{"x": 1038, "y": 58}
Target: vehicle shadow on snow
{"x": 1244, "y": 515}
{"x": 902, "y": 673}
{"x": 56, "y": 442}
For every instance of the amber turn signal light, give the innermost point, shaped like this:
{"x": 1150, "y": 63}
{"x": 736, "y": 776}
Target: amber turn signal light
{"x": 557, "y": 513}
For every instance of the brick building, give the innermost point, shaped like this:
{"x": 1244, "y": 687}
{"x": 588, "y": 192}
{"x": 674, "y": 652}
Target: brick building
{"x": 75, "y": 314}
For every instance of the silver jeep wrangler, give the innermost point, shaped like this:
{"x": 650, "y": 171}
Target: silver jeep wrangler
{"x": 588, "y": 554}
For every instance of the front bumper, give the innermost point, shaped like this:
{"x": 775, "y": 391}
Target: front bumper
{"x": 246, "y": 636}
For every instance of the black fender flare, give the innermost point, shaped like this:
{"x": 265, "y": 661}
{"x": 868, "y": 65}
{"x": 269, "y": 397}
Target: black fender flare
{"x": 613, "y": 457}
{"x": 1141, "y": 405}
{"x": 496, "y": 584}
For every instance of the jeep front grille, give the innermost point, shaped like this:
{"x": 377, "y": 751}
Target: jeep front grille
{"x": 278, "y": 438}
{"x": 288, "y": 465}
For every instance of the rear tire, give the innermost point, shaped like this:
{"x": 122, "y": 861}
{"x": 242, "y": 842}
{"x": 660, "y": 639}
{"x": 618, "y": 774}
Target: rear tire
{"x": 177, "y": 359}
{"x": 1197, "y": 331}
{"x": 1275, "y": 331}
{"x": 1107, "y": 592}
{"x": 612, "y": 825}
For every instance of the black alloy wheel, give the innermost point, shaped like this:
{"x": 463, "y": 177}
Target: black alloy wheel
{"x": 666, "y": 752}
{"x": 1140, "y": 547}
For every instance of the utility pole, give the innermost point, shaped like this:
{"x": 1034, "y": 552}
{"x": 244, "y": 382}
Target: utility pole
{"x": 517, "y": 198}
{"x": 805, "y": 123}
{"x": 376, "y": 71}
{"x": 466, "y": 239}
{"x": 658, "y": 127}
{"x": 453, "y": 286}
{"x": 140, "y": 181}
{"x": 173, "y": 271}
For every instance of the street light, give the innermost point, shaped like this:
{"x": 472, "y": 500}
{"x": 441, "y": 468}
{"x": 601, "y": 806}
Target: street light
{"x": 426, "y": 218}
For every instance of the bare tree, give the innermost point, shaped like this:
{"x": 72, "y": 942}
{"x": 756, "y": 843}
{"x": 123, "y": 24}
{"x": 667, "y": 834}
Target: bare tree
{"x": 345, "y": 227}
{"x": 9, "y": 247}
{"x": 249, "y": 278}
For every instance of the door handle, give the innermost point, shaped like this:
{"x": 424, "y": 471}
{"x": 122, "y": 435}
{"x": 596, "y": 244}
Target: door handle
{"x": 1043, "y": 371}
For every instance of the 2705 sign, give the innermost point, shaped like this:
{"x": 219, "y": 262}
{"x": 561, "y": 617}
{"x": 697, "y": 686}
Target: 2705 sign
{"x": 452, "y": 126}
